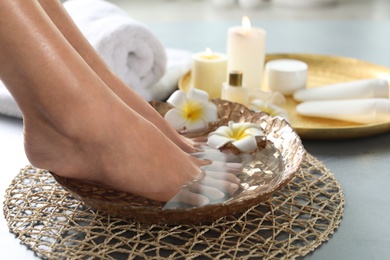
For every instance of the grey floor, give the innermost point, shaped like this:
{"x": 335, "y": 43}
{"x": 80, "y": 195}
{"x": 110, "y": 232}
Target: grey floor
{"x": 204, "y": 10}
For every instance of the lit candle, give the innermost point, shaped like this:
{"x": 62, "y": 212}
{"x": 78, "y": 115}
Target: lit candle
{"x": 209, "y": 72}
{"x": 246, "y": 50}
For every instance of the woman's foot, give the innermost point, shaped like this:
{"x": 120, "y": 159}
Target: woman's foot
{"x": 104, "y": 141}
{"x": 111, "y": 145}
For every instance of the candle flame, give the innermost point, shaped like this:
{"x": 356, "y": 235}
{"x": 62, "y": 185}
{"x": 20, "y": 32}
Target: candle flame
{"x": 208, "y": 52}
{"x": 246, "y": 23}
{"x": 209, "y": 55}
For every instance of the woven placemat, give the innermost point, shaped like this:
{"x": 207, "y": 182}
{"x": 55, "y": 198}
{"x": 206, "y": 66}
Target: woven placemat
{"x": 295, "y": 221}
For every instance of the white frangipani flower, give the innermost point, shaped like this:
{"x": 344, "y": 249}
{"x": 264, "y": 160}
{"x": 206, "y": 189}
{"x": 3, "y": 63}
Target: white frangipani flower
{"x": 273, "y": 110}
{"x": 241, "y": 135}
{"x": 192, "y": 111}
{"x": 270, "y": 97}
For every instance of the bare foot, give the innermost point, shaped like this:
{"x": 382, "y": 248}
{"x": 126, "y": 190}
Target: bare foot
{"x": 112, "y": 145}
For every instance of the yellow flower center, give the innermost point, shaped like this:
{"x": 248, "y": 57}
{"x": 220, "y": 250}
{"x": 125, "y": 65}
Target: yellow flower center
{"x": 193, "y": 111}
{"x": 269, "y": 110}
{"x": 238, "y": 133}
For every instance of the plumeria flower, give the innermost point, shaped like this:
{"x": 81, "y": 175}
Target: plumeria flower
{"x": 273, "y": 110}
{"x": 241, "y": 135}
{"x": 192, "y": 111}
{"x": 269, "y": 102}
{"x": 270, "y": 97}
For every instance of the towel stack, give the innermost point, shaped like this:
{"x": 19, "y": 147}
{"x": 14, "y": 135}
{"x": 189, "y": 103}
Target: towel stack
{"x": 128, "y": 47}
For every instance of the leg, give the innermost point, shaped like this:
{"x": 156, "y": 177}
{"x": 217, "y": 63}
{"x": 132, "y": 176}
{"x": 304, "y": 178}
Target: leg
{"x": 74, "y": 124}
{"x": 65, "y": 24}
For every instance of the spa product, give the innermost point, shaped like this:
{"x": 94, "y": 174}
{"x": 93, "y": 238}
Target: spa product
{"x": 366, "y": 88}
{"x": 246, "y": 51}
{"x": 133, "y": 52}
{"x": 363, "y": 111}
{"x": 233, "y": 90}
{"x": 208, "y": 71}
{"x": 286, "y": 75}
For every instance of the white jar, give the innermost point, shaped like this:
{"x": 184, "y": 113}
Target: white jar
{"x": 286, "y": 75}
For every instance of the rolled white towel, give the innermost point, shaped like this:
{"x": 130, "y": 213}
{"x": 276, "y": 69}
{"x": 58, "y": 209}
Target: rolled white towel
{"x": 179, "y": 63}
{"x": 131, "y": 50}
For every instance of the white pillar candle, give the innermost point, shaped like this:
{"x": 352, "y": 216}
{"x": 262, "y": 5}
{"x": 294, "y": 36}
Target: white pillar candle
{"x": 246, "y": 50}
{"x": 209, "y": 72}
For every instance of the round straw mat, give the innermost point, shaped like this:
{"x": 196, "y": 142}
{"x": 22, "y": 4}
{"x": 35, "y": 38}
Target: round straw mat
{"x": 292, "y": 223}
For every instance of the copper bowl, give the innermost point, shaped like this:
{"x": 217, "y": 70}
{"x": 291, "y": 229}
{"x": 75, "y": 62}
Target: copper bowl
{"x": 269, "y": 171}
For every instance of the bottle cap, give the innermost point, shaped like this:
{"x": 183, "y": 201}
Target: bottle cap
{"x": 235, "y": 78}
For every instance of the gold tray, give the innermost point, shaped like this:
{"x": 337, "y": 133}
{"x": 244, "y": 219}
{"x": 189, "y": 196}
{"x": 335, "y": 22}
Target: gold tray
{"x": 324, "y": 70}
